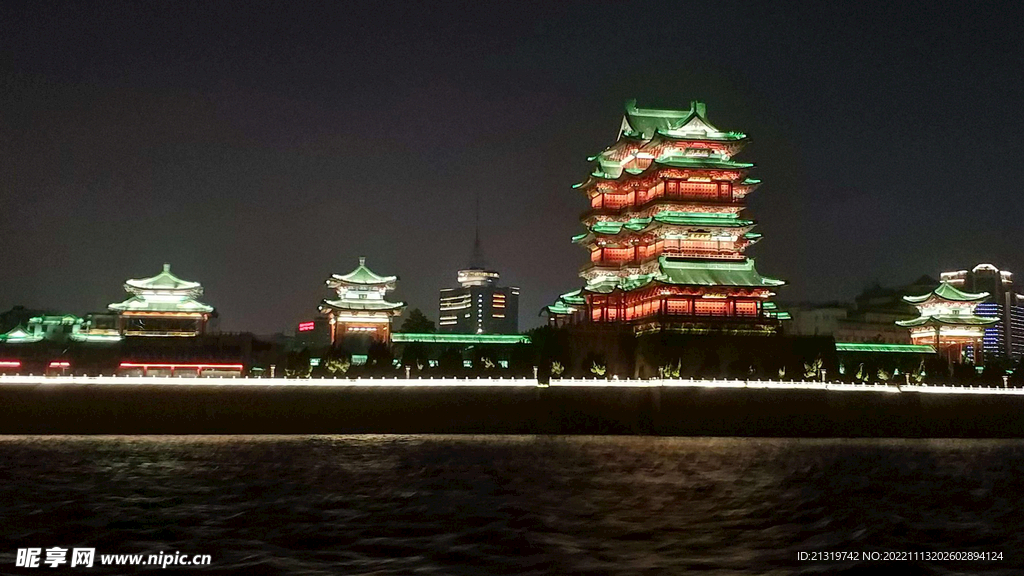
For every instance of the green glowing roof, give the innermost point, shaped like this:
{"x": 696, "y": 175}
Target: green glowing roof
{"x": 691, "y": 273}
{"x": 363, "y": 275}
{"x": 573, "y": 297}
{"x": 948, "y": 320}
{"x": 687, "y": 162}
{"x": 559, "y": 308}
{"x": 410, "y": 337}
{"x": 873, "y": 347}
{"x": 19, "y": 335}
{"x": 148, "y": 303}
{"x": 164, "y": 281}
{"x": 697, "y": 219}
{"x": 673, "y": 162}
{"x": 947, "y": 291}
{"x": 367, "y": 305}
{"x": 164, "y": 292}
{"x": 713, "y": 273}
{"x": 693, "y": 122}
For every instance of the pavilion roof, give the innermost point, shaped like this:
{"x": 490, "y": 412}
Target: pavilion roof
{"x": 558, "y": 308}
{"x": 19, "y": 334}
{"x": 669, "y": 218}
{"x": 684, "y": 162}
{"x": 363, "y": 305}
{"x": 164, "y": 281}
{"x": 362, "y": 275}
{"x": 693, "y": 122}
{"x": 147, "y": 303}
{"x": 948, "y": 292}
{"x": 948, "y": 320}
{"x": 714, "y": 273}
{"x": 689, "y": 272}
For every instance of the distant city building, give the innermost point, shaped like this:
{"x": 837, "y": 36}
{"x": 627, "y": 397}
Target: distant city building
{"x": 479, "y": 305}
{"x": 314, "y": 334}
{"x": 949, "y": 323}
{"x": 55, "y": 328}
{"x": 162, "y": 305}
{"x": 1006, "y": 337}
{"x": 665, "y": 232}
{"x": 360, "y": 315}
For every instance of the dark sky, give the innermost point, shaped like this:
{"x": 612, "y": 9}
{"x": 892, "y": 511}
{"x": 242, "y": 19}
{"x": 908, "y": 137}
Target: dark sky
{"x": 259, "y": 149}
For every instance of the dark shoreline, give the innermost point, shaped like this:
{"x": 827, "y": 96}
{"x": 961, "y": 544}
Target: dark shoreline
{"x": 668, "y": 411}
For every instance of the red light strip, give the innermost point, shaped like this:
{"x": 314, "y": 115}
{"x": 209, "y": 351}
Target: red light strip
{"x": 193, "y": 366}
{"x": 57, "y": 364}
{"x": 10, "y": 364}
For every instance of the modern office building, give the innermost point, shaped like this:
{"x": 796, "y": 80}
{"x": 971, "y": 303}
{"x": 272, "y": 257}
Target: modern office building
{"x": 478, "y": 305}
{"x": 1006, "y": 337}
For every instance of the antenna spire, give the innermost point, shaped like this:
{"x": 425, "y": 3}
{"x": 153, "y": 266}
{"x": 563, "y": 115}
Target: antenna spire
{"x": 477, "y": 259}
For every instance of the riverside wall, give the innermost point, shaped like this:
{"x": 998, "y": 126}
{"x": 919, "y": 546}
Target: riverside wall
{"x": 53, "y": 406}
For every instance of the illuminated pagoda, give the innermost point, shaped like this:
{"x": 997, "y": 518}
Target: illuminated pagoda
{"x": 360, "y": 315}
{"x": 666, "y": 233}
{"x": 948, "y": 322}
{"x": 163, "y": 305}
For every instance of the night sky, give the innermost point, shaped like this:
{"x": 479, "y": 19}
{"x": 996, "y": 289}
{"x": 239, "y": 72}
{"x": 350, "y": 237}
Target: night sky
{"x": 258, "y": 150}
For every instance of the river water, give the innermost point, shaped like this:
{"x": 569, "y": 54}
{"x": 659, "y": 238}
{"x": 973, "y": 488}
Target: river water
{"x": 440, "y": 505}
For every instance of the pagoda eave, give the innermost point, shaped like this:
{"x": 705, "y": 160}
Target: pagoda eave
{"x": 661, "y": 204}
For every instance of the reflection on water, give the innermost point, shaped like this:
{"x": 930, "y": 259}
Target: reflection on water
{"x": 513, "y": 504}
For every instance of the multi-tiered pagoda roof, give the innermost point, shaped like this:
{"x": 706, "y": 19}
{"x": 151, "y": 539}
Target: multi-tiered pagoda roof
{"x": 947, "y": 305}
{"x": 665, "y": 229}
{"x": 362, "y": 290}
{"x": 164, "y": 292}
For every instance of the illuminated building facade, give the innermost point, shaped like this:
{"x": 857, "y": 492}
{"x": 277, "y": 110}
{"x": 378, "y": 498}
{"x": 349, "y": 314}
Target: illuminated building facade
{"x": 666, "y": 234}
{"x": 1005, "y": 338}
{"x": 479, "y": 305}
{"x": 162, "y": 305}
{"x": 949, "y": 324}
{"x": 62, "y": 328}
{"x": 360, "y": 315}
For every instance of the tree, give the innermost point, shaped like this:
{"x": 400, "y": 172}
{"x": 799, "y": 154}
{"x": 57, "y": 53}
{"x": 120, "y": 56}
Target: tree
{"x": 418, "y": 323}
{"x": 297, "y": 364}
{"x": 449, "y": 363}
{"x": 336, "y": 361}
{"x": 414, "y": 355}
{"x": 548, "y": 346}
{"x": 379, "y": 361}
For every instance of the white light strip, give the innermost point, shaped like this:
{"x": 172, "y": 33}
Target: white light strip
{"x": 235, "y": 381}
{"x": 12, "y": 379}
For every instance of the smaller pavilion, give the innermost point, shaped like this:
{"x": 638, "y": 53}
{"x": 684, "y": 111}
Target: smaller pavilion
{"x": 163, "y": 305}
{"x": 947, "y": 322}
{"x": 360, "y": 315}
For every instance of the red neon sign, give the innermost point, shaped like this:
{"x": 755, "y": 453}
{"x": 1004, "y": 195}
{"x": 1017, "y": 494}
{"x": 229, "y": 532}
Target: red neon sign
{"x": 306, "y": 326}
{"x": 174, "y": 366}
